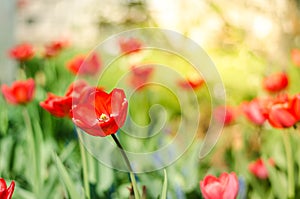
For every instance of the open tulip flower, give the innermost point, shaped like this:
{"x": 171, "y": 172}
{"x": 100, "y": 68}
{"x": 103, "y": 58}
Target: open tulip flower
{"x": 6, "y": 192}
{"x": 22, "y": 52}
{"x": 224, "y": 187}
{"x": 100, "y": 113}
{"x": 20, "y": 92}
{"x": 280, "y": 113}
{"x": 276, "y": 82}
{"x": 57, "y": 106}
{"x": 60, "y": 106}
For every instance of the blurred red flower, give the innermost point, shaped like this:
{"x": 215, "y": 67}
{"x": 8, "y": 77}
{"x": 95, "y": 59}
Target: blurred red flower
{"x": 295, "y": 106}
{"x": 129, "y": 45}
{"x": 57, "y": 106}
{"x": 280, "y": 113}
{"x": 224, "y": 187}
{"x": 140, "y": 76}
{"x": 22, "y": 52}
{"x": 254, "y": 111}
{"x": 55, "y": 47}
{"x": 60, "y": 106}
{"x": 193, "y": 81}
{"x": 276, "y": 82}
{"x": 20, "y": 92}
{"x": 6, "y": 193}
{"x": 295, "y": 54}
{"x": 259, "y": 169}
{"x": 83, "y": 65}
{"x": 101, "y": 114}
{"x": 225, "y": 114}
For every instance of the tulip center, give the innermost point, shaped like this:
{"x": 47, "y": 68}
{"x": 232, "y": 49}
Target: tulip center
{"x": 103, "y": 118}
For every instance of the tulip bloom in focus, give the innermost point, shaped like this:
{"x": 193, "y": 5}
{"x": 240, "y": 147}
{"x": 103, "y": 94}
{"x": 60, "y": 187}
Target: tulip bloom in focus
{"x": 224, "y": 187}
{"x": 254, "y": 111}
{"x": 129, "y": 45}
{"x": 22, "y": 52}
{"x": 83, "y": 65}
{"x": 20, "y": 92}
{"x": 100, "y": 113}
{"x": 225, "y": 115}
{"x": 140, "y": 76}
{"x": 276, "y": 82}
{"x": 6, "y": 193}
{"x": 259, "y": 169}
{"x": 295, "y": 54}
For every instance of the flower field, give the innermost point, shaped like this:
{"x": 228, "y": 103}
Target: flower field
{"x": 147, "y": 113}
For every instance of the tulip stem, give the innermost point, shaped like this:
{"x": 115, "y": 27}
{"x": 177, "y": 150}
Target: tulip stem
{"x": 290, "y": 165}
{"x": 32, "y": 150}
{"x": 132, "y": 177}
{"x": 84, "y": 169}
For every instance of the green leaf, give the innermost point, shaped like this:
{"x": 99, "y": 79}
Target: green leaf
{"x": 66, "y": 178}
{"x": 165, "y": 186}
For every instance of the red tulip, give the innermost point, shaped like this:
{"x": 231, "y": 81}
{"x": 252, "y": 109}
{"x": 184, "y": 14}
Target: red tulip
{"x": 140, "y": 76}
{"x": 6, "y": 193}
{"x": 101, "y": 114}
{"x": 295, "y": 106}
{"x": 224, "y": 187}
{"x": 295, "y": 54}
{"x": 21, "y": 92}
{"x": 225, "y": 114}
{"x": 258, "y": 168}
{"x": 192, "y": 81}
{"x": 254, "y": 111}
{"x": 55, "y": 47}
{"x": 85, "y": 66}
{"x": 279, "y": 112}
{"x": 57, "y": 106}
{"x": 276, "y": 82}
{"x": 129, "y": 45}
{"x": 61, "y": 106}
{"x": 22, "y": 52}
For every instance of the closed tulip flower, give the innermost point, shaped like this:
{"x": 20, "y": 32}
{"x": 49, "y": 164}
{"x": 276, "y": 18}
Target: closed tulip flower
{"x": 57, "y": 106}
{"x": 254, "y": 111}
{"x": 259, "y": 169}
{"x": 20, "y": 92}
{"x": 224, "y": 187}
{"x": 276, "y": 82}
{"x": 295, "y": 55}
{"x": 6, "y": 192}
{"x": 82, "y": 65}
{"x": 140, "y": 76}
{"x": 101, "y": 113}
{"x": 193, "y": 81}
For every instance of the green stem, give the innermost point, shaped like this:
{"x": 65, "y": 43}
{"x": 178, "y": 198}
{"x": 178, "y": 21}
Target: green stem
{"x": 32, "y": 150}
{"x": 290, "y": 165}
{"x": 84, "y": 168}
{"x": 131, "y": 174}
